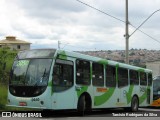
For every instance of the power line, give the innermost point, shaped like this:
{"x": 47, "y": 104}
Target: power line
{"x": 80, "y": 47}
{"x": 100, "y": 11}
{"x": 119, "y": 20}
{"x": 146, "y": 34}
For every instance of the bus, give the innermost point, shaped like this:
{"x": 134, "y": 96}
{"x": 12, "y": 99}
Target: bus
{"x": 156, "y": 92}
{"x": 63, "y": 80}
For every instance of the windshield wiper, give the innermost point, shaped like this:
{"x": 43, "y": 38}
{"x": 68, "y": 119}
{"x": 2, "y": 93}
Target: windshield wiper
{"x": 41, "y": 80}
{"x": 44, "y": 74}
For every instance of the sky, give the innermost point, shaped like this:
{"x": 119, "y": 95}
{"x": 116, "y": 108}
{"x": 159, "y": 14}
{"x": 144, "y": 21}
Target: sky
{"x": 79, "y": 27}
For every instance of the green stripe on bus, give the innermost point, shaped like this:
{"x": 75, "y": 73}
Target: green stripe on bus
{"x": 141, "y": 70}
{"x": 50, "y": 85}
{"x": 143, "y": 97}
{"x": 62, "y": 55}
{"x": 83, "y": 89}
{"x": 105, "y": 62}
{"x": 129, "y": 94}
{"x": 99, "y": 100}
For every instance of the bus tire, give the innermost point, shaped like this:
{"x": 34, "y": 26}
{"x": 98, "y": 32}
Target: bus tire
{"x": 81, "y": 105}
{"x": 134, "y": 104}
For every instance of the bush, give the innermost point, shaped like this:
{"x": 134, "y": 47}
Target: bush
{"x": 6, "y": 60}
{"x": 3, "y": 96}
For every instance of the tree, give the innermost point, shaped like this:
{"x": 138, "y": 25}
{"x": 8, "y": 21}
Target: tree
{"x": 6, "y": 59}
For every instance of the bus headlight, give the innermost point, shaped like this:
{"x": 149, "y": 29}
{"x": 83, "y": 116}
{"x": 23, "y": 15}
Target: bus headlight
{"x": 13, "y": 90}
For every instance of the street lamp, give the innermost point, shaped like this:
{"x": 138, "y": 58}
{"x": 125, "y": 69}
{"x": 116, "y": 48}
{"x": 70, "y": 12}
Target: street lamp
{"x": 127, "y": 35}
{"x": 144, "y": 21}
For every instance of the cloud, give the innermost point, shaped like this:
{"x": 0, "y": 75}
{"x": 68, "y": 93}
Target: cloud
{"x": 48, "y": 21}
{"x": 49, "y": 8}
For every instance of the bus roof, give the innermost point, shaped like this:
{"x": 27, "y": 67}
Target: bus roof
{"x": 100, "y": 60}
{"x": 36, "y": 53}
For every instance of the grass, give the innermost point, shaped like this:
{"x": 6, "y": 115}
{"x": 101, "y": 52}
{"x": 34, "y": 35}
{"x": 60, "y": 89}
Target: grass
{"x": 3, "y": 96}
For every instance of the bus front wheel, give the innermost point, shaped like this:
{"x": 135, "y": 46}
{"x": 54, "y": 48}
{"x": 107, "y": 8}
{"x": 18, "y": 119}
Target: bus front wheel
{"x": 134, "y": 104}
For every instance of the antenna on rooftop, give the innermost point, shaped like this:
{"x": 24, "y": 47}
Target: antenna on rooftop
{"x": 59, "y": 44}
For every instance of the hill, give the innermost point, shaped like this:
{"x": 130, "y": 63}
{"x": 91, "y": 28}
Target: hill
{"x": 137, "y": 57}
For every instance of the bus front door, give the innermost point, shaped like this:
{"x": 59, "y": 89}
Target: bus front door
{"x": 63, "y": 85}
{"x": 64, "y": 100}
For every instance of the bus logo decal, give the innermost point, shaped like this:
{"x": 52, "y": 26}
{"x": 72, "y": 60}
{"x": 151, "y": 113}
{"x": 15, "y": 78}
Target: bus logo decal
{"x": 99, "y": 100}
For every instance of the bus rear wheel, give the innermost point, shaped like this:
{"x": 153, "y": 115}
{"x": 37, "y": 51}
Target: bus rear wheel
{"x": 134, "y": 104}
{"x": 81, "y": 105}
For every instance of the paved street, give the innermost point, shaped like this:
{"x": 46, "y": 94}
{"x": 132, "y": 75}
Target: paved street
{"x": 150, "y": 113}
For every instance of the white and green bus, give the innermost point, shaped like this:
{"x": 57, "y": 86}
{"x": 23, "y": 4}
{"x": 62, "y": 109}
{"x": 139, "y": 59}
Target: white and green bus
{"x": 59, "y": 80}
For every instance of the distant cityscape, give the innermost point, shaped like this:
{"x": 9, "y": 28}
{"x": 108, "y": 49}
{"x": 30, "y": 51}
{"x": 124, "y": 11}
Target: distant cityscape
{"x": 137, "y": 57}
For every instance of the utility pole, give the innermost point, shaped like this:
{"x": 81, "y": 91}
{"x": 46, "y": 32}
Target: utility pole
{"x": 127, "y": 35}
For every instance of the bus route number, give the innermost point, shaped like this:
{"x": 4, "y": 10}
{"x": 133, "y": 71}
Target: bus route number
{"x": 35, "y": 99}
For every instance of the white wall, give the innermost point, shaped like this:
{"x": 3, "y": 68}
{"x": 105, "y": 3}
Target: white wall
{"x": 22, "y": 46}
{"x": 154, "y": 66}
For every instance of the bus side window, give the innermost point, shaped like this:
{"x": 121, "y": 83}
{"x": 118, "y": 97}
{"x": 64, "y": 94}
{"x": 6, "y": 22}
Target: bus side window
{"x": 110, "y": 76}
{"x": 83, "y": 72}
{"x": 122, "y": 77}
{"x": 97, "y": 74}
{"x": 143, "y": 78}
{"x": 134, "y": 80}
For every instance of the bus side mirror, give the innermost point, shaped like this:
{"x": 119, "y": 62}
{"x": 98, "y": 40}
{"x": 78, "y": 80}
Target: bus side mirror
{"x": 4, "y": 66}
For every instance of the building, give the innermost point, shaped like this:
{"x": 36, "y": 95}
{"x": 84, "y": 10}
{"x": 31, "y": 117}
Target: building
{"x": 154, "y": 66}
{"x": 14, "y": 44}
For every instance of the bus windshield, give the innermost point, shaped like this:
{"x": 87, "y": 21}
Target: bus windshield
{"x": 30, "y": 72}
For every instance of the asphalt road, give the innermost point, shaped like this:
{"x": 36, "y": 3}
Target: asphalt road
{"x": 150, "y": 113}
